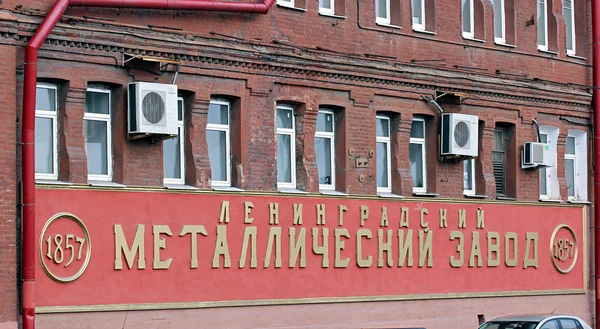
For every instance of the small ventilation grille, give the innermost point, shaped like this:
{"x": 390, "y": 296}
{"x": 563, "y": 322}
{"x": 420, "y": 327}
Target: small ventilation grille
{"x": 153, "y": 107}
{"x": 461, "y": 134}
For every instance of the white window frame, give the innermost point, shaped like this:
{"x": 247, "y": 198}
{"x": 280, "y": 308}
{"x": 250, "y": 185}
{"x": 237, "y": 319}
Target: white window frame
{"x": 502, "y": 39}
{"x": 331, "y": 136}
{"x": 286, "y": 3}
{"x": 472, "y": 174}
{"x": 227, "y": 129}
{"x": 327, "y": 11}
{"x": 580, "y": 164}
{"x": 292, "y": 133}
{"x": 53, "y": 115}
{"x": 104, "y": 118}
{"x": 383, "y": 20}
{"x": 543, "y": 47}
{"x": 421, "y": 141}
{"x": 418, "y": 27}
{"x": 468, "y": 35}
{"x": 181, "y": 133}
{"x": 571, "y": 51}
{"x": 388, "y": 142}
{"x": 552, "y": 186}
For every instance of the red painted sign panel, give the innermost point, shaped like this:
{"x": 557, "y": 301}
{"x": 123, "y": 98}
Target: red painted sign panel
{"x": 158, "y": 249}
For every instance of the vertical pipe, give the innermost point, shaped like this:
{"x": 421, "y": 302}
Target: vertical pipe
{"x": 596, "y": 157}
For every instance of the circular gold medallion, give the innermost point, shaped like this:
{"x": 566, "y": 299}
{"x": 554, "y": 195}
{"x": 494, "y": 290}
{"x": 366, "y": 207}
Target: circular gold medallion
{"x": 563, "y": 249}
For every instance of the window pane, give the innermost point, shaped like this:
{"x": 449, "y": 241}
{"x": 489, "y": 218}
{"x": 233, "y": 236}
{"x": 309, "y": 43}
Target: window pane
{"x": 96, "y": 146}
{"x": 498, "y": 19}
{"x": 180, "y": 110}
{"x": 466, "y": 16}
{"x": 567, "y": 14}
{"x": 382, "y": 165}
{"x": 415, "y": 154}
{"x": 96, "y": 102}
{"x": 284, "y": 159}
{"x": 570, "y": 145}
{"x": 383, "y": 127}
{"x": 323, "y": 153}
{"x": 217, "y": 153}
{"x": 570, "y": 169}
{"x": 553, "y": 324}
{"x": 543, "y": 181}
{"x": 44, "y": 146}
{"x": 218, "y": 114}
{"x": 568, "y": 324}
{"x": 326, "y": 4}
{"x": 45, "y": 99}
{"x": 417, "y": 11}
{"x": 172, "y": 157}
{"x": 418, "y": 129}
{"x": 541, "y": 22}
{"x": 325, "y": 122}
{"x": 497, "y": 142}
{"x": 382, "y": 8}
{"x": 468, "y": 175}
{"x": 284, "y": 118}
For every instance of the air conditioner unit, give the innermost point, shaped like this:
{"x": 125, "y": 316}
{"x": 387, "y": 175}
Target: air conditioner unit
{"x": 536, "y": 154}
{"x": 460, "y": 133}
{"x": 152, "y": 108}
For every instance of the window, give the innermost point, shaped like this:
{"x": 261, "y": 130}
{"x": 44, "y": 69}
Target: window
{"x": 174, "y": 152}
{"x": 418, "y": 15}
{"x": 325, "y": 149}
{"x": 97, "y": 133}
{"x": 469, "y": 177}
{"x": 416, "y": 153}
{"x": 542, "y": 24}
{"x": 326, "y": 6}
{"x": 499, "y": 21}
{"x": 569, "y": 15}
{"x": 552, "y": 324}
{"x": 382, "y": 8}
{"x": 544, "y": 172}
{"x": 217, "y": 138}
{"x": 384, "y": 175}
{"x": 468, "y": 21}
{"x": 576, "y": 165}
{"x": 549, "y": 186}
{"x": 286, "y": 147}
{"x": 46, "y": 132}
{"x": 569, "y": 324}
{"x": 570, "y": 168}
{"x": 499, "y": 161}
{"x": 286, "y": 3}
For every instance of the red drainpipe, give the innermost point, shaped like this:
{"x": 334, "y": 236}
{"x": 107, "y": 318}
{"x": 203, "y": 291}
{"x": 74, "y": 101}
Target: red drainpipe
{"x": 29, "y": 95}
{"x": 596, "y": 158}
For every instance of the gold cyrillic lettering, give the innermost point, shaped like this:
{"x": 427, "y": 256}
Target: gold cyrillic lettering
{"x": 425, "y": 248}
{"x": 274, "y": 235}
{"x": 462, "y": 218}
{"x": 339, "y": 246}
{"x": 460, "y": 249}
{"x": 475, "y": 251}
{"x": 384, "y": 218}
{"x": 297, "y": 214}
{"x": 493, "y": 249}
{"x": 297, "y": 246}
{"x": 531, "y": 237}
{"x": 320, "y": 214}
{"x": 249, "y": 238}
{"x": 247, "y": 209}
{"x": 159, "y": 244}
{"x": 324, "y": 249}
{"x": 137, "y": 248}
{"x": 341, "y": 210}
{"x": 193, "y": 230}
{"x": 360, "y": 261}
{"x": 405, "y": 248}
{"x": 480, "y": 218}
{"x": 443, "y": 218}
{"x": 224, "y": 216}
{"x": 424, "y": 224}
{"x": 221, "y": 248}
{"x": 273, "y": 214}
{"x": 404, "y": 217}
{"x": 364, "y": 214}
{"x": 384, "y": 247}
{"x": 511, "y": 238}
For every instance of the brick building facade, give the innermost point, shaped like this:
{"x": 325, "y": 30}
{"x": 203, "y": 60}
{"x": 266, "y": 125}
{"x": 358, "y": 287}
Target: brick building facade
{"x": 362, "y": 67}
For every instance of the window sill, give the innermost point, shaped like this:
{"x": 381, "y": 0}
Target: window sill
{"x": 291, "y": 191}
{"x": 332, "y": 15}
{"x": 390, "y": 195}
{"x": 578, "y": 202}
{"x": 548, "y": 51}
{"x": 51, "y": 182}
{"x": 424, "y": 31}
{"x": 504, "y": 44}
{"x": 179, "y": 187}
{"x": 504, "y": 198}
{"x": 227, "y": 188}
{"x": 575, "y": 56}
{"x": 332, "y": 192}
{"x": 388, "y": 25}
{"x": 426, "y": 194}
{"x": 290, "y": 7}
{"x": 550, "y": 200}
{"x": 100, "y": 183}
{"x": 473, "y": 39}
{"x": 475, "y": 196}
